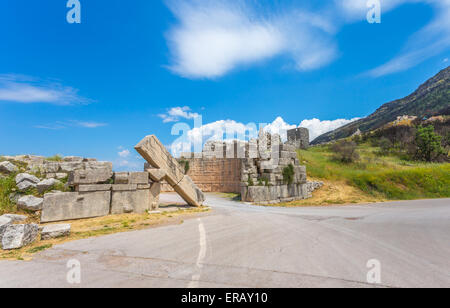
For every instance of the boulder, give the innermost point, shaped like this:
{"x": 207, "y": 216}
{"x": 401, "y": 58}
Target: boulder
{"x": 75, "y": 205}
{"x": 8, "y": 167}
{"x": 25, "y": 185}
{"x": 26, "y": 177}
{"x": 17, "y": 236}
{"x": 55, "y": 231}
{"x": 4, "y": 222}
{"x": 46, "y": 185}
{"x": 15, "y": 218}
{"x": 51, "y": 167}
{"x": 30, "y": 203}
{"x": 92, "y": 176}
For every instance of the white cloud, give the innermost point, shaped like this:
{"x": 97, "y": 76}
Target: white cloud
{"x": 214, "y": 37}
{"x": 317, "y": 127}
{"x": 71, "y": 123}
{"x": 27, "y": 90}
{"x": 175, "y": 113}
{"x": 124, "y": 153}
{"x": 279, "y": 126}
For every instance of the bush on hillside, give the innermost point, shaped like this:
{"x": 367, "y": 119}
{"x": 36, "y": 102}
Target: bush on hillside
{"x": 428, "y": 144}
{"x": 345, "y": 151}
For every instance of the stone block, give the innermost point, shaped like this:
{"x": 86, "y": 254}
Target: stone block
{"x": 75, "y": 205}
{"x": 15, "y": 217}
{"x": 55, "y": 231}
{"x": 94, "y": 187}
{"x": 137, "y": 201}
{"x": 93, "y": 165}
{"x": 7, "y": 167}
{"x": 71, "y": 166}
{"x": 155, "y": 192}
{"x": 4, "y": 222}
{"x": 138, "y": 178}
{"x": 71, "y": 159}
{"x": 121, "y": 177}
{"x": 51, "y": 167}
{"x": 156, "y": 175}
{"x": 25, "y": 185}
{"x": 93, "y": 176}
{"x": 47, "y": 184}
{"x": 17, "y": 236}
{"x": 26, "y": 177}
{"x": 124, "y": 187}
{"x": 30, "y": 203}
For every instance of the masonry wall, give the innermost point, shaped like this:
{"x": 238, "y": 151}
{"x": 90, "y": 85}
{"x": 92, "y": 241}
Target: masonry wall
{"x": 216, "y": 174}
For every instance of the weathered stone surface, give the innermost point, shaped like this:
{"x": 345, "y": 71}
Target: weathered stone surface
{"x": 30, "y": 203}
{"x": 61, "y": 176}
{"x": 151, "y": 149}
{"x": 143, "y": 186}
{"x": 26, "y": 177}
{"x": 17, "y": 236}
{"x": 76, "y": 205}
{"x": 89, "y": 165}
{"x": 14, "y": 217}
{"x": 155, "y": 191}
{"x": 138, "y": 178}
{"x": 135, "y": 201}
{"x": 25, "y": 185}
{"x": 124, "y": 187}
{"x": 55, "y": 231}
{"x": 157, "y": 175}
{"x": 94, "y": 187}
{"x": 4, "y": 222}
{"x": 299, "y": 137}
{"x": 121, "y": 177}
{"x": 93, "y": 176}
{"x": 275, "y": 194}
{"x": 73, "y": 159}
{"x": 8, "y": 167}
{"x": 71, "y": 166}
{"x": 313, "y": 186}
{"x": 47, "y": 184}
{"x": 51, "y": 167}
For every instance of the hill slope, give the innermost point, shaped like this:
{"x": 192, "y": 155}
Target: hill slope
{"x": 431, "y": 98}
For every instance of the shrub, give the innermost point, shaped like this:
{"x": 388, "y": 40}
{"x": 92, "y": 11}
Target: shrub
{"x": 250, "y": 181}
{"x": 385, "y": 146}
{"x": 186, "y": 166}
{"x": 7, "y": 186}
{"x": 288, "y": 174}
{"x": 428, "y": 144}
{"x": 345, "y": 151}
{"x": 56, "y": 158}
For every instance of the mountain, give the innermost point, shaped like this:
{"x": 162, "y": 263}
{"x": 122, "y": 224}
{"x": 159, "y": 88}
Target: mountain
{"x": 430, "y": 99}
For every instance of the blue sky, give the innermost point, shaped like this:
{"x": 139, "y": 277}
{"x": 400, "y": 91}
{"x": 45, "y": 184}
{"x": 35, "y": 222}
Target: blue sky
{"x": 133, "y": 68}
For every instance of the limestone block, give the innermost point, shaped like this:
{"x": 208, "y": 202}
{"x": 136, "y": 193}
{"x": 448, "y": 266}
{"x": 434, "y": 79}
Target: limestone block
{"x": 71, "y": 166}
{"x": 155, "y": 192}
{"x": 17, "y": 236}
{"x": 121, "y": 177}
{"x": 30, "y": 203}
{"x": 143, "y": 186}
{"x": 25, "y": 185}
{"x": 15, "y": 217}
{"x": 156, "y": 175}
{"x": 92, "y": 176}
{"x": 55, "y": 231}
{"x": 8, "y": 167}
{"x": 138, "y": 178}
{"x": 135, "y": 201}
{"x": 151, "y": 149}
{"x": 98, "y": 165}
{"x": 4, "y": 222}
{"x": 51, "y": 167}
{"x": 26, "y": 177}
{"x": 44, "y": 185}
{"x": 75, "y": 205}
{"x": 124, "y": 187}
{"x": 94, "y": 187}
{"x": 72, "y": 159}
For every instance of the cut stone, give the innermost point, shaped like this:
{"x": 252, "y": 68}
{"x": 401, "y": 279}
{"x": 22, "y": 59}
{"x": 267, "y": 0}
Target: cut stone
{"x": 73, "y": 159}
{"x": 75, "y": 205}
{"x": 30, "y": 203}
{"x": 137, "y": 201}
{"x": 121, "y": 178}
{"x": 152, "y": 150}
{"x": 94, "y": 187}
{"x": 46, "y": 185}
{"x": 93, "y": 176}
{"x": 8, "y": 167}
{"x": 17, "y": 236}
{"x": 124, "y": 187}
{"x": 155, "y": 192}
{"x": 71, "y": 166}
{"x": 157, "y": 175}
{"x": 15, "y": 218}
{"x": 138, "y": 178}
{"x": 55, "y": 231}
{"x": 4, "y": 222}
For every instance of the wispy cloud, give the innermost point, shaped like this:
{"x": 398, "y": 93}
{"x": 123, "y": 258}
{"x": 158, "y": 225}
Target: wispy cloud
{"x": 214, "y": 37}
{"x": 317, "y": 127}
{"x": 71, "y": 123}
{"x": 125, "y": 153}
{"x": 176, "y": 113}
{"x": 26, "y": 90}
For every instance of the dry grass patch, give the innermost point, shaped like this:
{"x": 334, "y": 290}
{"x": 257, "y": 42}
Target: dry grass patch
{"x": 94, "y": 227}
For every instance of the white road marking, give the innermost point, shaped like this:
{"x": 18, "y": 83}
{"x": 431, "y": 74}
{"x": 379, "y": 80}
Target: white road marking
{"x": 201, "y": 255}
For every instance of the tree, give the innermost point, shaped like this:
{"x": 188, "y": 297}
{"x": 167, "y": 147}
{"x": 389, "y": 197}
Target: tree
{"x": 346, "y": 151}
{"x": 428, "y": 144}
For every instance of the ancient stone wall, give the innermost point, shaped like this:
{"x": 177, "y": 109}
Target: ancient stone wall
{"x": 299, "y": 137}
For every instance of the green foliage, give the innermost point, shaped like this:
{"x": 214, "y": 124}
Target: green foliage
{"x": 250, "y": 181}
{"x": 385, "y": 146}
{"x": 346, "y": 151}
{"x": 428, "y": 144}
{"x": 39, "y": 248}
{"x": 7, "y": 187}
{"x": 55, "y": 158}
{"x": 288, "y": 174}
{"x": 185, "y": 164}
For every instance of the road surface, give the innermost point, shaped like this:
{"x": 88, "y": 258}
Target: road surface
{"x": 238, "y": 245}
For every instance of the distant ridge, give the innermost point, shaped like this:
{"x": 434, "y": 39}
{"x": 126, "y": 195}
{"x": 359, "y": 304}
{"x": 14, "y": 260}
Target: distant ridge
{"x": 430, "y": 99}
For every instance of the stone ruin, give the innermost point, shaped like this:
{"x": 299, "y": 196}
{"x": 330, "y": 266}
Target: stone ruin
{"x": 254, "y": 169}
{"x": 299, "y": 137}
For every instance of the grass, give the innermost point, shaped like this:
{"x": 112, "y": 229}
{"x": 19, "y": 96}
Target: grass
{"x": 7, "y": 186}
{"x": 379, "y": 177}
{"x": 94, "y": 227}
{"x": 55, "y": 158}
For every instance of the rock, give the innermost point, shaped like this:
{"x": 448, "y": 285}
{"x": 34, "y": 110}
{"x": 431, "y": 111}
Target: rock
{"x": 4, "y": 222}
{"x": 55, "y": 231}
{"x": 14, "y": 197}
{"x": 15, "y": 218}
{"x": 30, "y": 203}
{"x": 121, "y": 178}
{"x": 71, "y": 166}
{"x": 94, "y": 187}
{"x": 75, "y": 205}
{"x": 156, "y": 175}
{"x": 26, "y": 177}
{"x": 138, "y": 178}
{"x": 8, "y": 167}
{"x": 17, "y": 236}
{"x": 61, "y": 176}
{"x": 130, "y": 201}
{"x": 51, "y": 167}
{"x": 25, "y": 185}
{"x": 46, "y": 185}
{"x": 93, "y": 176}
{"x": 73, "y": 159}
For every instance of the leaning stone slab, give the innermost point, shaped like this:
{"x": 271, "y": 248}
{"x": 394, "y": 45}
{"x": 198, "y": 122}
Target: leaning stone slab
{"x": 45, "y": 185}
{"x": 17, "y": 236}
{"x": 92, "y": 176}
{"x": 94, "y": 187}
{"x": 4, "y": 222}
{"x": 14, "y": 217}
{"x": 75, "y": 205}
{"x": 8, "y": 167}
{"x": 55, "y": 231}
{"x": 152, "y": 150}
{"x": 30, "y": 203}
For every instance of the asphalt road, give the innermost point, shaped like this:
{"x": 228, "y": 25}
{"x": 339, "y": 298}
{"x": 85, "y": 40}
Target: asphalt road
{"x": 238, "y": 245}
